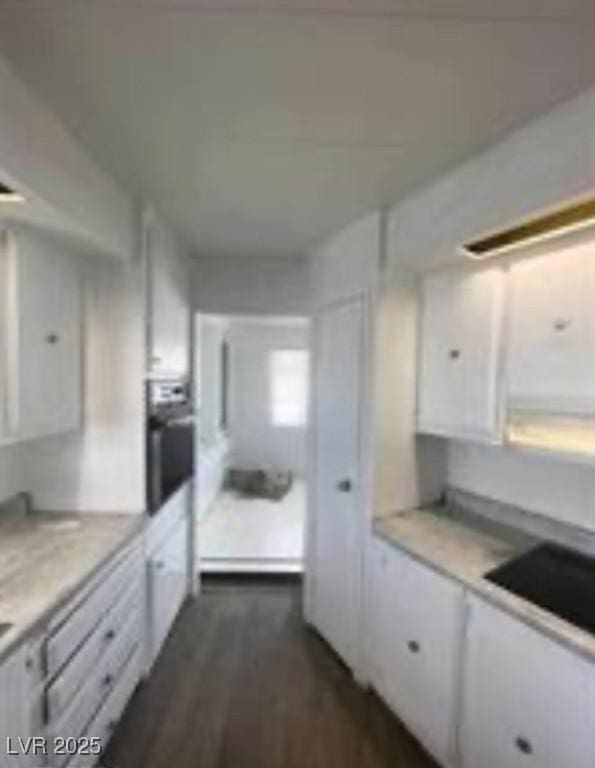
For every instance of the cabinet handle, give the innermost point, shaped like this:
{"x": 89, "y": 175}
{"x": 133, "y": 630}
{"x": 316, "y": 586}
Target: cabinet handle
{"x": 110, "y": 634}
{"x": 454, "y": 354}
{"x": 523, "y": 745}
{"x": 562, "y": 324}
{"x": 414, "y": 646}
{"x": 344, "y": 486}
{"x": 107, "y": 681}
{"x": 52, "y": 338}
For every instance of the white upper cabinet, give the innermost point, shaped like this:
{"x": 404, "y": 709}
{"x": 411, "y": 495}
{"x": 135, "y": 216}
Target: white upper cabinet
{"x": 458, "y": 394}
{"x": 551, "y": 332}
{"x": 169, "y": 302}
{"x": 42, "y": 332}
{"x": 527, "y": 701}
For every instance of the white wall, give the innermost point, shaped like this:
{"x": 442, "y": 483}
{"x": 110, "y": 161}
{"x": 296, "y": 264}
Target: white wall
{"x": 550, "y": 487}
{"x": 11, "y": 472}
{"x": 101, "y": 468}
{"x": 211, "y": 333}
{"x": 66, "y": 189}
{"x": 348, "y": 264}
{"x": 237, "y": 286}
{"x": 255, "y": 441}
{"x": 213, "y": 445}
{"x": 407, "y": 470}
{"x": 550, "y": 160}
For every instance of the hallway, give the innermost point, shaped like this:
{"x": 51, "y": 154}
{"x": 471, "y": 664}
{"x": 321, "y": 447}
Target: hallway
{"x": 242, "y": 684}
{"x": 245, "y": 534}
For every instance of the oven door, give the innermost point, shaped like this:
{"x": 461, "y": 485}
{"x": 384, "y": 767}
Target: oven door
{"x": 170, "y": 459}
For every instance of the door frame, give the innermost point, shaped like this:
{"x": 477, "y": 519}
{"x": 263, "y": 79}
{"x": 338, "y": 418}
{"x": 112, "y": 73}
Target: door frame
{"x": 364, "y": 484}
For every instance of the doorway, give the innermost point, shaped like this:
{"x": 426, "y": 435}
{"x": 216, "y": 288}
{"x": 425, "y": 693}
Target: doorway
{"x": 252, "y": 389}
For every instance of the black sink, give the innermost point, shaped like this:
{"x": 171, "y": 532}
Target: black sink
{"x": 554, "y": 578}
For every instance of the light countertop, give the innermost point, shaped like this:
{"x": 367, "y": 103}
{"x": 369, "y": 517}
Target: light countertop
{"x": 46, "y": 557}
{"x": 465, "y": 547}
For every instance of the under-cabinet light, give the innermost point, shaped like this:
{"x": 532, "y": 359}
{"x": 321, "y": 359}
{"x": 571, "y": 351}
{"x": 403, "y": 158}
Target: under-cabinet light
{"x": 571, "y": 218}
{"x": 8, "y": 195}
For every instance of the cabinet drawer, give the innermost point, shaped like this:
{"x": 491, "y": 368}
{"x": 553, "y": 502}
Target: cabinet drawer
{"x": 79, "y": 625}
{"x": 527, "y": 700}
{"x": 112, "y": 709}
{"x": 98, "y": 687}
{"x": 61, "y": 691}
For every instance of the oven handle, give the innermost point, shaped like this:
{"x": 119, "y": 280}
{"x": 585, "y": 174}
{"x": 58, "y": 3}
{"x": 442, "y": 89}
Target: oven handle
{"x": 156, "y": 424}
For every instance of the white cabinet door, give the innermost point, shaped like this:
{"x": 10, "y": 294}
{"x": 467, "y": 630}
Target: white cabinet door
{"x": 336, "y": 528}
{"x": 168, "y": 584}
{"x": 460, "y": 352}
{"x": 551, "y": 335}
{"x": 169, "y": 303}
{"x": 527, "y": 700}
{"x": 44, "y": 338}
{"x": 418, "y": 648}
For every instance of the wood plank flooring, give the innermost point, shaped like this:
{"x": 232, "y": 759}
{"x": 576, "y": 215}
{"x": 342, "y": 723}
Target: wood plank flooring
{"x": 242, "y": 683}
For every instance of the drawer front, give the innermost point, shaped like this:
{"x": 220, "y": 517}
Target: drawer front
{"x": 423, "y": 652}
{"x": 67, "y": 638}
{"x": 111, "y": 710}
{"x": 123, "y": 646}
{"x": 527, "y": 700}
{"x": 61, "y": 692}
{"x": 98, "y": 687}
{"x": 107, "y": 634}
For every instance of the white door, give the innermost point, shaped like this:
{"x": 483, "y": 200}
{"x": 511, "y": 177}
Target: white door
{"x": 339, "y": 336}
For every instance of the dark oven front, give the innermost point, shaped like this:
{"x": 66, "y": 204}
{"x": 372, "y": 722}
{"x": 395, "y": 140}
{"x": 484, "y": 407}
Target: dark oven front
{"x": 170, "y": 442}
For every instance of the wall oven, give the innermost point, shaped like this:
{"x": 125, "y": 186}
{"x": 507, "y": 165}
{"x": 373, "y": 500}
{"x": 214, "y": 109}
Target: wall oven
{"x": 170, "y": 440}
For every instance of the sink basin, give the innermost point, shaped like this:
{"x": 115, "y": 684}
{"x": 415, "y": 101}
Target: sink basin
{"x": 554, "y": 578}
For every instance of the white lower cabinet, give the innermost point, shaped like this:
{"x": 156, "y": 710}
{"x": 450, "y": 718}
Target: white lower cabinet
{"x": 168, "y": 583}
{"x": 416, "y": 646}
{"x": 527, "y": 700}
{"x": 14, "y": 709}
{"x": 169, "y": 568}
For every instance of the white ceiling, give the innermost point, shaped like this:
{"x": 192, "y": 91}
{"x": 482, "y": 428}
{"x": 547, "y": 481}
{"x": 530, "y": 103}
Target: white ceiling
{"x": 262, "y": 127}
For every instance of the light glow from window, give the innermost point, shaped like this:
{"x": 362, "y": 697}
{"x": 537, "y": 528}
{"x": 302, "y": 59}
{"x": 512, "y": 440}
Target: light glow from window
{"x": 288, "y": 371}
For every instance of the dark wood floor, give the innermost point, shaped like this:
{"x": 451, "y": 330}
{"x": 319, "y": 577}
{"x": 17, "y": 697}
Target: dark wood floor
{"x": 242, "y": 683}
